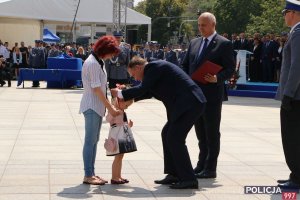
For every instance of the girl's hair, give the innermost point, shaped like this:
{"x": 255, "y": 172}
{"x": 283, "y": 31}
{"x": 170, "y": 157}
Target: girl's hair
{"x": 106, "y": 45}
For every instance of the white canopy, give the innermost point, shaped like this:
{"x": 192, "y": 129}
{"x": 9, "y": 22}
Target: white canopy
{"x": 90, "y": 11}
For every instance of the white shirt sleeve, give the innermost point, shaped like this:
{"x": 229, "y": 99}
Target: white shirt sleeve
{"x": 94, "y": 74}
{"x": 120, "y": 94}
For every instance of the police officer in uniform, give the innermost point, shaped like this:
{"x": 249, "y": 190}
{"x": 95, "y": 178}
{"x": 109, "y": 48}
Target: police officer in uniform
{"x": 171, "y": 55}
{"x": 289, "y": 95}
{"x": 182, "y": 54}
{"x": 116, "y": 67}
{"x": 37, "y": 59}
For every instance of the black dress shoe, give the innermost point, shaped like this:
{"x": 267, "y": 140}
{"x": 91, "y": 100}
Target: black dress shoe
{"x": 185, "y": 185}
{"x": 168, "y": 180}
{"x": 289, "y": 185}
{"x": 207, "y": 174}
{"x": 198, "y": 169}
{"x": 283, "y": 181}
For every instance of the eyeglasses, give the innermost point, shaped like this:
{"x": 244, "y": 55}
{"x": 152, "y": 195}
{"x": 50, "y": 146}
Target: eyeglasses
{"x": 285, "y": 11}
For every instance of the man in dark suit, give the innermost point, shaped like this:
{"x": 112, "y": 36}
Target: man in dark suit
{"x": 267, "y": 59}
{"x": 217, "y": 49}
{"x": 235, "y": 42}
{"x": 289, "y": 94}
{"x": 184, "y": 102}
{"x": 244, "y": 43}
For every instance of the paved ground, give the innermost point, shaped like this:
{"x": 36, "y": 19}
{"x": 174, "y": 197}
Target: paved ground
{"x": 41, "y": 135}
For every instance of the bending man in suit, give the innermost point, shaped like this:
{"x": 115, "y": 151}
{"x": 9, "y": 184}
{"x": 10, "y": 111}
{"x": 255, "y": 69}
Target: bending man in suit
{"x": 289, "y": 94}
{"x": 184, "y": 102}
{"x": 217, "y": 49}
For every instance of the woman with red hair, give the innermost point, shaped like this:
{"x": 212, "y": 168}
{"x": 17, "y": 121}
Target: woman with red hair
{"x": 94, "y": 102}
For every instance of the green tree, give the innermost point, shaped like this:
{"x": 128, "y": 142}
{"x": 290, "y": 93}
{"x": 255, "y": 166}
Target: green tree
{"x": 270, "y": 21}
{"x": 165, "y": 18}
{"x": 192, "y": 10}
{"x": 234, "y": 15}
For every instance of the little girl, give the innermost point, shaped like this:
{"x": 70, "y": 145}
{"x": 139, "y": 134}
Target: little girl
{"x": 120, "y": 139}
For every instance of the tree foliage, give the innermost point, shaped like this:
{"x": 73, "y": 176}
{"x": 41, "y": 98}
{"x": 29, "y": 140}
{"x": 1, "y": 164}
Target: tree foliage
{"x": 270, "y": 21}
{"x": 165, "y": 16}
{"x": 234, "y": 15}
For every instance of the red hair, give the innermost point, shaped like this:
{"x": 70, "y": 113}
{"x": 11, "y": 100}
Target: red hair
{"x": 106, "y": 45}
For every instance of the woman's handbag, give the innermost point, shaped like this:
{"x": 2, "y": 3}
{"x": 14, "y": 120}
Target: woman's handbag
{"x": 110, "y": 144}
{"x": 122, "y": 137}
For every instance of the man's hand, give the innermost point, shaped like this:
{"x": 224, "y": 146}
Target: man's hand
{"x": 211, "y": 78}
{"x": 114, "y": 92}
{"x": 286, "y": 103}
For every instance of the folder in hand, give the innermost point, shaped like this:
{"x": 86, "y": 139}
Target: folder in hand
{"x": 206, "y": 68}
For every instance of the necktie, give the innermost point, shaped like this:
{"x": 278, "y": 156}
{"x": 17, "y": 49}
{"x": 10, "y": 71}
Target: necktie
{"x": 203, "y": 49}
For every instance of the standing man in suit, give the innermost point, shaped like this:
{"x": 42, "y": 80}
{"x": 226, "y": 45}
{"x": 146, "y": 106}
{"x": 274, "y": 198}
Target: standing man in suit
{"x": 184, "y": 102}
{"x": 267, "y": 59}
{"x": 244, "y": 43}
{"x": 217, "y": 49}
{"x": 289, "y": 94}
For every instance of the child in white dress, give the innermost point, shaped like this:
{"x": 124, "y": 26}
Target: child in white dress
{"x": 120, "y": 140}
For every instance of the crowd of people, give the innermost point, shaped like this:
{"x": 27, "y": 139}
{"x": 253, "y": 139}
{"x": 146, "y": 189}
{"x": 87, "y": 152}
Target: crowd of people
{"x": 34, "y": 57}
{"x": 265, "y": 60}
{"x": 264, "y": 63}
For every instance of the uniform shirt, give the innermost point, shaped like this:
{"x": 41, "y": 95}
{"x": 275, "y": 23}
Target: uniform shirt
{"x": 93, "y": 75}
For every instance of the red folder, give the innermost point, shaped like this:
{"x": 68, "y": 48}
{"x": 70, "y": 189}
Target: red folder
{"x": 206, "y": 68}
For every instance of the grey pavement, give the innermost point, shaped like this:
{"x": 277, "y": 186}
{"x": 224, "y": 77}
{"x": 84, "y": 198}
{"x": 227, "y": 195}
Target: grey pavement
{"x": 41, "y": 138}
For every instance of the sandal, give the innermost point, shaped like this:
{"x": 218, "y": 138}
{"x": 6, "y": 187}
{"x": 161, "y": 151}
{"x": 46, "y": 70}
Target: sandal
{"x": 93, "y": 181}
{"x": 98, "y": 177}
{"x": 116, "y": 182}
{"x": 125, "y": 180}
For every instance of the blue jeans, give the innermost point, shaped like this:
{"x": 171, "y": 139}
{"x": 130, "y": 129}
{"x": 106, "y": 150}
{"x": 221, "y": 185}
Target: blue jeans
{"x": 93, "y": 124}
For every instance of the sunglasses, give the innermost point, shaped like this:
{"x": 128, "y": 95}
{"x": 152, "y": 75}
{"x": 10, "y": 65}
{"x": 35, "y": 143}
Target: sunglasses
{"x": 285, "y": 11}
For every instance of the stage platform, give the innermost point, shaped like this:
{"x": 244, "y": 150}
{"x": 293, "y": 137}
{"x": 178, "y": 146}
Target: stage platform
{"x": 255, "y": 89}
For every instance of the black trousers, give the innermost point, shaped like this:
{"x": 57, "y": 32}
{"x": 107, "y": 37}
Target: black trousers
{"x": 268, "y": 70}
{"x": 176, "y": 157}
{"x": 35, "y": 83}
{"x": 207, "y": 129}
{"x": 290, "y": 133}
{"x": 112, "y": 83}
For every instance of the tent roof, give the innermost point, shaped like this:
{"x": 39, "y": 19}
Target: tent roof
{"x": 90, "y": 11}
{"x": 48, "y": 36}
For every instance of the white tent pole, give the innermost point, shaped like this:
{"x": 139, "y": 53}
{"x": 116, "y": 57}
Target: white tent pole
{"x": 149, "y": 32}
{"x": 93, "y": 27}
{"x": 42, "y": 29}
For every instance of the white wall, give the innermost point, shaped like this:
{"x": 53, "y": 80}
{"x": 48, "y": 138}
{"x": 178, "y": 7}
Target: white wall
{"x": 17, "y": 30}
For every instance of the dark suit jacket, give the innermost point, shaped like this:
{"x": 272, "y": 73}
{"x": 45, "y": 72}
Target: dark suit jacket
{"x": 172, "y": 57}
{"x": 159, "y": 54}
{"x": 219, "y": 51}
{"x": 169, "y": 84}
{"x": 244, "y": 45}
{"x": 269, "y": 51}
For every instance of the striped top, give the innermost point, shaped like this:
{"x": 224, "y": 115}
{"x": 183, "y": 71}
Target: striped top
{"x": 93, "y": 76}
